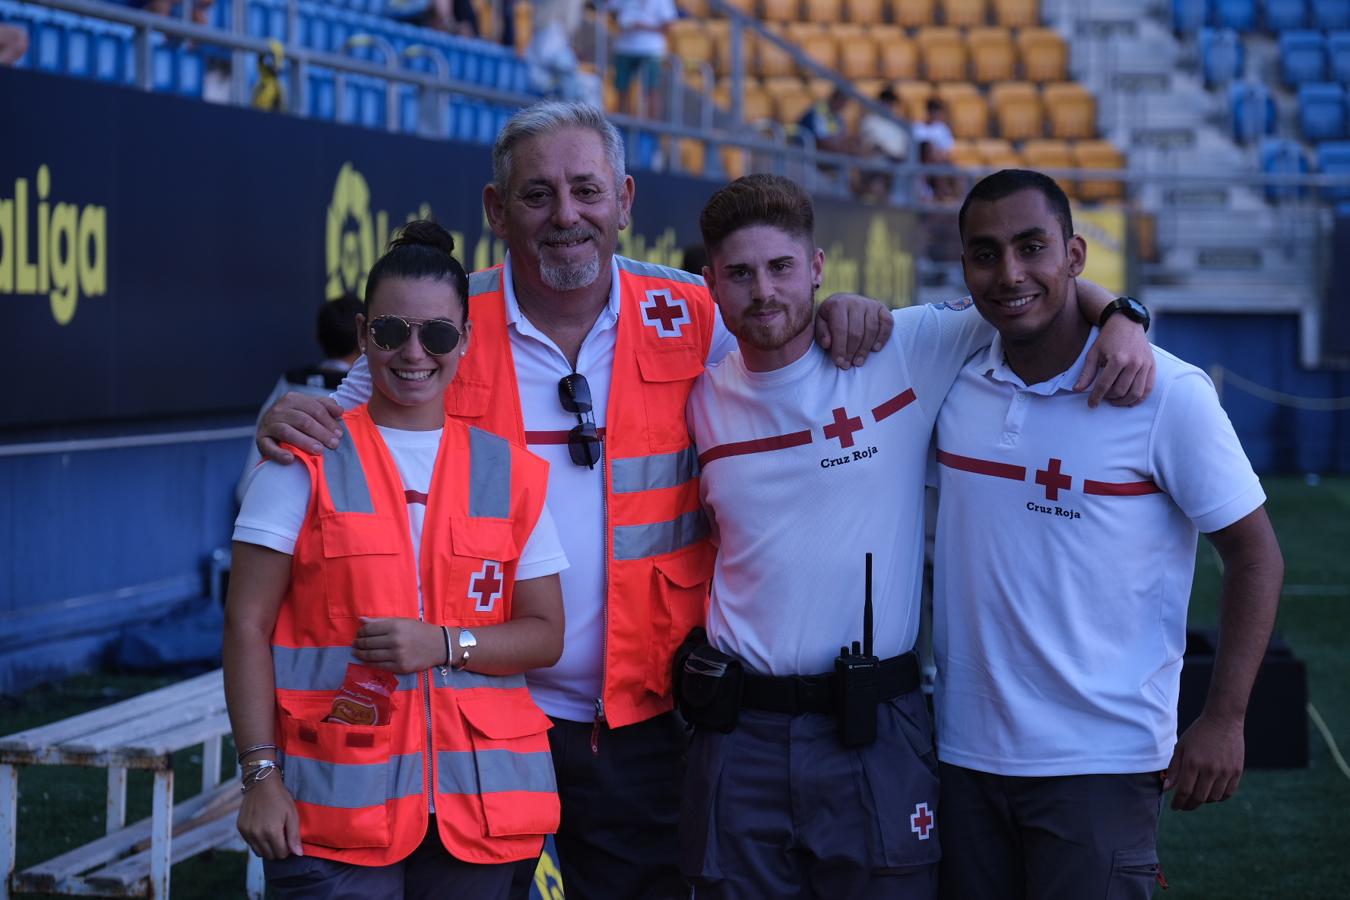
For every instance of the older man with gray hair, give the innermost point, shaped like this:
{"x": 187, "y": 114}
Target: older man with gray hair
{"x": 587, "y": 358}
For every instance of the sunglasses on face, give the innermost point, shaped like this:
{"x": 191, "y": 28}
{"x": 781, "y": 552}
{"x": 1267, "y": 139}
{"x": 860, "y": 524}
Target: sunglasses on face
{"x": 583, "y": 442}
{"x": 437, "y": 336}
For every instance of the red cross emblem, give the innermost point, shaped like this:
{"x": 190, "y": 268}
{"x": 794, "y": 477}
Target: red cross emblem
{"x": 921, "y": 823}
{"x": 667, "y": 314}
{"x": 843, "y": 427}
{"x": 1051, "y": 479}
{"x": 485, "y": 588}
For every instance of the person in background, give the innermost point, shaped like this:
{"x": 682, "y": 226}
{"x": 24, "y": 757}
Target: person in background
{"x": 13, "y": 44}
{"x": 335, "y": 330}
{"x": 884, "y": 139}
{"x": 638, "y": 50}
{"x": 385, "y": 598}
{"x": 824, "y": 122}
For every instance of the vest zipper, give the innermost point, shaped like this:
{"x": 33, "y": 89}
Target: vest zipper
{"x": 426, "y": 679}
{"x": 604, "y": 604}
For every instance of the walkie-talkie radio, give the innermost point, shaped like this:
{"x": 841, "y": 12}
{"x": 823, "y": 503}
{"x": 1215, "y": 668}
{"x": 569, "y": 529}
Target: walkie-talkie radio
{"x": 856, "y": 682}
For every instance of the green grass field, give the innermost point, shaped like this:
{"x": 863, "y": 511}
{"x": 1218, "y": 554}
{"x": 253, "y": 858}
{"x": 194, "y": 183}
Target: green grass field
{"x": 1283, "y": 836}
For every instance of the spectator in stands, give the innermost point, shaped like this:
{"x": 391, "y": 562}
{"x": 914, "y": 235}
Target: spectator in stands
{"x": 638, "y": 50}
{"x": 883, "y": 138}
{"x": 590, "y": 339}
{"x": 359, "y": 573}
{"x": 201, "y": 9}
{"x": 335, "y": 330}
{"x": 13, "y": 44}
{"x": 451, "y": 16}
{"x": 824, "y": 122}
{"x": 935, "y": 130}
{"x": 936, "y": 188}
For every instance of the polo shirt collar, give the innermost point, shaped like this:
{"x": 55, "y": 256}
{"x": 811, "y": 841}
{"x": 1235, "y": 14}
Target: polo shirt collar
{"x": 609, "y": 316}
{"x": 995, "y": 366}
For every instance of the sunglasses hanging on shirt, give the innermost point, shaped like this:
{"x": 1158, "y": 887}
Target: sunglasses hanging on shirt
{"x": 583, "y": 442}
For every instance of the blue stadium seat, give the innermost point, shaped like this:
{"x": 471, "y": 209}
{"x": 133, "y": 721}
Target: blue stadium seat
{"x": 112, "y": 50}
{"x": 1221, "y": 55}
{"x": 1187, "y": 16}
{"x": 1331, "y": 14}
{"x": 1240, "y": 15}
{"x": 1333, "y": 158}
{"x": 364, "y": 102}
{"x": 1280, "y": 156}
{"x": 1302, "y": 57}
{"x": 1285, "y": 15}
{"x": 320, "y": 97}
{"x": 1338, "y": 56}
{"x": 1321, "y": 111}
{"x": 1253, "y": 111}
{"x": 265, "y": 19}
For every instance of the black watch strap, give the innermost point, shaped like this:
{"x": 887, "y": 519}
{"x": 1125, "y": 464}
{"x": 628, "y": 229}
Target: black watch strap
{"x": 1132, "y": 308}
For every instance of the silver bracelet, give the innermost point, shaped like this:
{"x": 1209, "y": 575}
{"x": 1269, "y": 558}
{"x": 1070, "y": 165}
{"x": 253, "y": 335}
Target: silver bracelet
{"x": 445, "y": 632}
{"x": 259, "y": 770}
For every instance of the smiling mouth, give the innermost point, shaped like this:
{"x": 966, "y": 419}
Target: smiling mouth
{"x": 411, "y": 375}
{"x": 1016, "y": 302}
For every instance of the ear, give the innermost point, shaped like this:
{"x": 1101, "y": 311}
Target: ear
{"x": 817, "y": 267}
{"x": 711, "y": 280}
{"x": 464, "y": 337}
{"x": 627, "y": 191}
{"x": 1077, "y": 252}
{"x": 495, "y": 210}
{"x": 361, "y": 323}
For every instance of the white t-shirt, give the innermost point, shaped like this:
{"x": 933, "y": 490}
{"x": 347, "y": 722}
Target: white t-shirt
{"x": 278, "y": 497}
{"x": 640, "y": 26}
{"x": 1065, "y": 549}
{"x": 939, "y": 134}
{"x": 569, "y": 689}
{"x": 808, "y": 467}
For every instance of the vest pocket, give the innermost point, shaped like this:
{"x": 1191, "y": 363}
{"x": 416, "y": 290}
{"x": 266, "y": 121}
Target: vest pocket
{"x": 362, "y": 574}
{"x": 668, "y": 375}
{"x": 512, "y": 762}
{"x": 681, "y": 602}
{"x": 340, "y": 776}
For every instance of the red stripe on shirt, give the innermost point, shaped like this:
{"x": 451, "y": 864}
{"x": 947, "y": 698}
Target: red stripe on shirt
{"x": 554, "y": 437}
{"x": 982, "y": 466}
{"x": 759, "y": 445}
{"x": 894, "y": 405}
{"x": 1120, "y": 488}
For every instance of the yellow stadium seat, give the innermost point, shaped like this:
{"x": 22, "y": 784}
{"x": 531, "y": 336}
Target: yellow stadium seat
{"x": 998, "y": 154}
{"x": 869, "y": 87}
{"x": 523, "y": 14}
{"x": 966, "y": 155}
{"x": 694, "y": 9}
{"x": 898, "y": 58}
{"x": 864, "y": 12}
{"x": 943, "y": 51}
{"x": 1017, "y": 13}
{"x": 780, "y": 10}
{"x": 965, "y": 13}
{"x": 967, "y": 114}
{"x": 755, "y": 101}
{"x": 819, "y": 88}
{"x": 745, "y": 6}
{"x": 691, "y": 155}
{"x": 822, "y": 48}
{"x": 734, "y": 162}
{"x": 1099, "y": 155}
{"x": 1071, "y": 109}
{"x": 913, "y": 97}
{"x": 791, "y": 107}
{"x": 824, "y": 10}
{"x": 1052, "y": 154}
{"x": 1017, "y": 110}
{"x": 913, "y": 13}
{"x": 993, "y": 57}
{"x": 1045, "y": 56}
{"x": 693, "y": 44}
{"x": 858, "y": 57}
{"x": 771, "y": 61}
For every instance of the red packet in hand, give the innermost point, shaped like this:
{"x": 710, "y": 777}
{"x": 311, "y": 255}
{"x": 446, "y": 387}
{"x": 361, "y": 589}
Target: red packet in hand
{"x": 364, "y": 697}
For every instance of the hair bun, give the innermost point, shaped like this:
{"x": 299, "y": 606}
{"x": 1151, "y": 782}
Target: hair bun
{"x": 424, "y": 233}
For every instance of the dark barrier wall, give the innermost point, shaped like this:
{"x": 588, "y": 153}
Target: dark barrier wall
{"x": 163, "y": 256}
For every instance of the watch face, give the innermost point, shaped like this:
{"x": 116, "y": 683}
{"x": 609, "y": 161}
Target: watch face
{"x": 1136, "y": 307}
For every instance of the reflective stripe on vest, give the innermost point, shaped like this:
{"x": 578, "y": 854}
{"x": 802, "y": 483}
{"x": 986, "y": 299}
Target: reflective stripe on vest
{"x": 485, "y": 281}
{"x": 650, "y": 473}
{"x": 494, "y": 772}
{"x": 325, "y": 668}
{"x": 346, "y": 478}
{"x": 353, "y": 786}
{"x": 656, "y": 538}
{"x": 489, "y": 475}
{"x": 650, "y": 270}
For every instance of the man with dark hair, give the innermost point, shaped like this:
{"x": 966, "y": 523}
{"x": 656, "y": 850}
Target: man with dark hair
{"x": 803, "y": 780}
{"x": 1065, "y": 550}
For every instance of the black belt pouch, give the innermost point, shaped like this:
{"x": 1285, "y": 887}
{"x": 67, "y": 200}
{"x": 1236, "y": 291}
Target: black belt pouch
{"x": 709, "y": 684}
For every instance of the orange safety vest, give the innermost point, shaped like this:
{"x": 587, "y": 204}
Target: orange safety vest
{"x": 474, "y": 744}
{"x": 658, "y": 556}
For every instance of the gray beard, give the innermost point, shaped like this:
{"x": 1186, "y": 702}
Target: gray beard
{"x": 570, "y": 277}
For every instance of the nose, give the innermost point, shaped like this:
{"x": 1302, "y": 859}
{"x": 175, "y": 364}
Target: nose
{"x": 762, "y": 287}
{"x": 565, "y": 213}
{"x": 1011, "y": 271}
{"x": 412, "y": 350}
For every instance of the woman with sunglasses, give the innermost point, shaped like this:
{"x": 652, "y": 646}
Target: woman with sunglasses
{"x": 384, "y": 599}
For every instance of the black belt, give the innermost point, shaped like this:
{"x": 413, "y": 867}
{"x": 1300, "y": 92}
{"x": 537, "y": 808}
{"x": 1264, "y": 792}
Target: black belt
{"x": 794, "y": 694}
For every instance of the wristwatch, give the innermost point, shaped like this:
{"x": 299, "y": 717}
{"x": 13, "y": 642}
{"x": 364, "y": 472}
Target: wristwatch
{"x": 466, "y": 642}
{"x": 1132, "y": 308}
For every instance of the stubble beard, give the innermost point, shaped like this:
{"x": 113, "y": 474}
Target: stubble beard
{"x": 564, "y": 277}
{"x": 773, "y": 337}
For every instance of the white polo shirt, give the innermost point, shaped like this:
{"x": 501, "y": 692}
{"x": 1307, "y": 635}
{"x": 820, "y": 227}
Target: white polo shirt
{"x": 569, "y": 689}
{"x": 805, "y": 469}
{"x": 1065, "y": 549}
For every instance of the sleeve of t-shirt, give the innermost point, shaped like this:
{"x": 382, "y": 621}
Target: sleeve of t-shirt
{"x": 936, "y": 341}
{"x": 355, "y": 387}
{"x": 274, "y": 507}
{"x": 1197, "y": 457}
{"x": 543, "y": 553}
{"x": 723, "y": 341}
